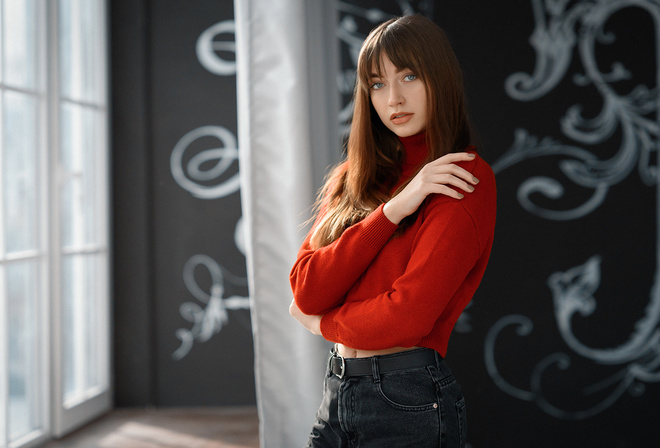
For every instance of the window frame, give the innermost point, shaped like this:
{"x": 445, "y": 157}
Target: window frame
{"x": 66, "y": 419}
{"x": 53, "y": 418}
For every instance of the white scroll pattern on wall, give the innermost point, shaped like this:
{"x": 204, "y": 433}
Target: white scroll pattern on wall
{"x": 560, "y": 31}
{"x": 209, "y": 313}
{"x": 208, "y": 318}
{"x": 210, "y": 183}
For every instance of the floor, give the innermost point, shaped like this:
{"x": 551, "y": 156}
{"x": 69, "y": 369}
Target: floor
{"x": 168, "y": 428}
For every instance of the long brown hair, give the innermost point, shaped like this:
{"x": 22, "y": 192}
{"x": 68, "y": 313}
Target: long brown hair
{"x": 358, "y": 186}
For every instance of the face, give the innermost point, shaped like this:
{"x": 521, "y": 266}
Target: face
{"x": 399, "y": 97}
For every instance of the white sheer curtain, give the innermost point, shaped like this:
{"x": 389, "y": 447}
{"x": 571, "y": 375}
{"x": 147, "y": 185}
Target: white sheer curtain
{"x": 288, "y": 135}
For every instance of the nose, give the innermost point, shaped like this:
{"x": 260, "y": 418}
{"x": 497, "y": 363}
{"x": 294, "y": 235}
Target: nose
{"x": 395, "y": 98}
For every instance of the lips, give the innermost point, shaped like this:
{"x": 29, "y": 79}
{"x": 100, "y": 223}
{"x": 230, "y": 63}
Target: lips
{"x": 400, "y": 117}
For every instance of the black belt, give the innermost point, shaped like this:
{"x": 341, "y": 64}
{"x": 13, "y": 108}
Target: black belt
{"x": 411, "y": 359}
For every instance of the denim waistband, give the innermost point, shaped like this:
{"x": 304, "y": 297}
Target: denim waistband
{"x": 408, "y": 359}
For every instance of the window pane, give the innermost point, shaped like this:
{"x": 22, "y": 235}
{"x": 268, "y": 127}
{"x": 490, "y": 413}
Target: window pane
{"x": 23, "y": 348}
{"x": 83, "y": 206}
{"x": 81, "y": 71}
{"x": 76, "y": 182}
{"x": 19, "y": 171}
{"x": 83, "y": 328}
{"x": 19, "y": 23}
{"x": 80, "y": 144}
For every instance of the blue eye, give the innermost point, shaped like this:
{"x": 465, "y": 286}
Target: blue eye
{"x": 410, "y": 77}
{"x": 377, "y": 85}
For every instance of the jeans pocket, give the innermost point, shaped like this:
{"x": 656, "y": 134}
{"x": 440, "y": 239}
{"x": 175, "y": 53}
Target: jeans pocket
{"x": 409, "y": 390}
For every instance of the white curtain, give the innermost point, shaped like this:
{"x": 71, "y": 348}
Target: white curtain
{"x": 288, "y": 135}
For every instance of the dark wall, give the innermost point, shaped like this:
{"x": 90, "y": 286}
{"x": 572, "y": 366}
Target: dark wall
{"x": 132, "y": 211}
{"x": 182, "y": 324}
{"x": 559, "y": 346}
{"x": 562, "y": 349}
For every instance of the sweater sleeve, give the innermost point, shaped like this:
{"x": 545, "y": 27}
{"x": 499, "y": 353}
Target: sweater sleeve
{"x": 320, "y": 278}
{"x": 445, "y": 251}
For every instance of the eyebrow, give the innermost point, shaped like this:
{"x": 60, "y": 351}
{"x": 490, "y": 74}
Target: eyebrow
{"x": 376, "y": 75}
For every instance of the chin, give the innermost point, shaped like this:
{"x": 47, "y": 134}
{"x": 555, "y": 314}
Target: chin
{"x": 406, "y": 132}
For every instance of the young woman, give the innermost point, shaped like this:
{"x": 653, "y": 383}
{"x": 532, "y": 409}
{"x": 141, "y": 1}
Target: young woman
{"x": 399, "y": 245}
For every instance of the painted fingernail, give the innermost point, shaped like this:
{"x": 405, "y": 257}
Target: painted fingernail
{"x": 470, "y": 187}
{"x": 475, "y": 180}
{"x": 460, "y": 196}
{"x": 472, "y": 156}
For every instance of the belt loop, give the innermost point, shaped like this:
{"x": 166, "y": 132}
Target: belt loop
{"x": 374, "y": 369}
{"x": 438, "y": 359}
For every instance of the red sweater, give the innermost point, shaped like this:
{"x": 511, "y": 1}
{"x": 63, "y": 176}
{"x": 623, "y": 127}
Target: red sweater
{"x": 378, "y": 291}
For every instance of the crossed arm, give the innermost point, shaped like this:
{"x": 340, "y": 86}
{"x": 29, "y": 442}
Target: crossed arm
{"x": 436, "y": 177}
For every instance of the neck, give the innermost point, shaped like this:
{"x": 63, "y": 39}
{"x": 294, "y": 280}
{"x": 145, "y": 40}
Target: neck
{"x": 415, "y": 151}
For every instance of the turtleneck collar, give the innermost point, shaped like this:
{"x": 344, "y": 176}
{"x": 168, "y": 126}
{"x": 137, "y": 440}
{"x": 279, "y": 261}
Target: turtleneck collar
{"x": 415, "y": 150}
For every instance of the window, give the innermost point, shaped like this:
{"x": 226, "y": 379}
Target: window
{"x": 54, "y": 249}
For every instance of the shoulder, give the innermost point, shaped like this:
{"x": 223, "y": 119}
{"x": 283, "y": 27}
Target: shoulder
{"x": 479, "y": 168}
{"x": 485, "y": 190}
{"x": 484, "y": 195}
{"x": 480, "y": 205}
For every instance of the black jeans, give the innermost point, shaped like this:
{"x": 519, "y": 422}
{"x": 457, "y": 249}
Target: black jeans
{"x": 420, "y": 407}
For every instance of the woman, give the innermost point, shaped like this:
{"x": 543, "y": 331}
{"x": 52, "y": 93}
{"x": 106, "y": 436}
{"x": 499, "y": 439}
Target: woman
{"x": 400, "y": 243}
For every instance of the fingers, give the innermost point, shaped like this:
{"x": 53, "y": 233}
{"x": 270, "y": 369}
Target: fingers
{"x": 441, "y": 176}
{"x": 454, "y": 157}
{"x": 449, "y": 179}
{"x": 447, "y": 191}
{"x": 450, "y": 174}
{"x": 445, "y": 166}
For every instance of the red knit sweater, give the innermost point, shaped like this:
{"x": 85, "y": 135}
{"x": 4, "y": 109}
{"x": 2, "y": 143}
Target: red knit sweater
{"x": 378, "y": 291}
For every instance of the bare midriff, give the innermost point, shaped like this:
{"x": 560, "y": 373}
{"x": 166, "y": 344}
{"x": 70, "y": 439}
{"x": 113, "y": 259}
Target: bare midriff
{"x": 348, "y": 352}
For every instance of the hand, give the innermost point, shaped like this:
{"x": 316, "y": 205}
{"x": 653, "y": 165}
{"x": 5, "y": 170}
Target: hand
{"x": 434, "y": 178}
{"x": 311, "y": 323}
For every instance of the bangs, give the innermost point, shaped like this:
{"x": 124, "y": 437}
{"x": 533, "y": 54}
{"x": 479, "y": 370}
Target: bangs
{"x": 397, "y": 44}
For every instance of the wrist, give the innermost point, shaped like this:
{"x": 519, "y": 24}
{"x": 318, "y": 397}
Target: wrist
{"x": 391, "y": 213}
